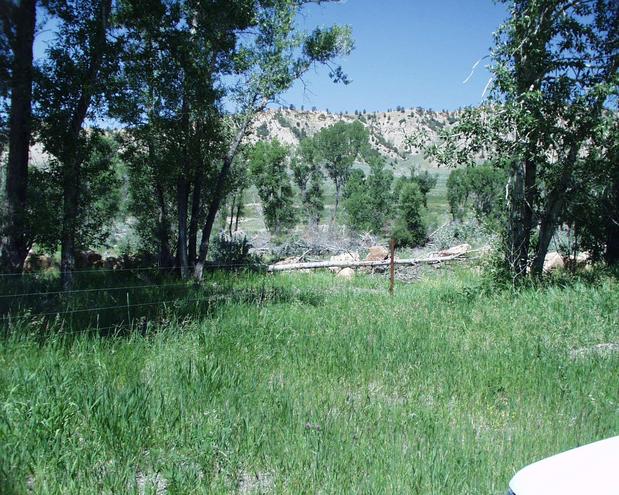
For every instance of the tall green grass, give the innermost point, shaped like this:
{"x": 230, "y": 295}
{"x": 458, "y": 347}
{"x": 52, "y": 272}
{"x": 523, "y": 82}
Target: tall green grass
{"x": 444, "y": 388}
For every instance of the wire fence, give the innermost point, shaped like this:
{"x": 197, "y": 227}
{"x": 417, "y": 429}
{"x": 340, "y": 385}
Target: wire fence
{"x": 112, "y": 299}
{"x": 170, "y": 269}
{"x": 117, "y": 299}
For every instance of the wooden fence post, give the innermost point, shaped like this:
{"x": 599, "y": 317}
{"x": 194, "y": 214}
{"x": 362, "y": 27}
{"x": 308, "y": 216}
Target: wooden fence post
{"x": 391, "y": 265}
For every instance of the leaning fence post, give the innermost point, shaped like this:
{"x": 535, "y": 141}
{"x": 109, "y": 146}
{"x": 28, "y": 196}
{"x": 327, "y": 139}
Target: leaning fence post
{"x": 391, "y": 265}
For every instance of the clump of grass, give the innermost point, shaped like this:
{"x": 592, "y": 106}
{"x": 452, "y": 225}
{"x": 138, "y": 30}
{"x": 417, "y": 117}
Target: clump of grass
{"x": 438, "y": 389}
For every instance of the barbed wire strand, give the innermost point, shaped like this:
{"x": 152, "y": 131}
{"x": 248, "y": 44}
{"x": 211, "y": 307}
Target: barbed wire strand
{"x": 159, "y": 268}
{"x": 107, "y": 308}
{"x": 126, "y": 325}
{"x": 97, "y": 289}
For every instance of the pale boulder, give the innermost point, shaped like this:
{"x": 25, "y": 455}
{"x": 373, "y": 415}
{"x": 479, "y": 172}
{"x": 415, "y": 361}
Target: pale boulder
{"x": 553, "y": 261}
{"x": 458, "y": 250}
{"x": 581, "y": 261}
{"x": 346, "y": 273}
{"x": 344, "y": 257}
{"x": 35, "y": 262}
{"x": 377, "y": 253}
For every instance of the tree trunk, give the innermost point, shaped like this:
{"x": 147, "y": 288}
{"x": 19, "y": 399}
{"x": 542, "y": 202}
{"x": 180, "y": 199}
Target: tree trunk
{"x": 182, "y": 199}
{"x": 163, "y": 227}
{"x": 218, "y": 194}
{"x": 239, "y": 207}
{"x": 182, "y": 195}
{"x": 612, "y": 229}
{"x": 72, "y": 159}
{"x": 162, "y": 231}
{"x": 517, "y": 241}
{"x": 219, "y": 190}
{"x": 311, "y": 265}
{"x": 337, "y": 201}
{"x": 552, "y": 210}
{"x": 196, "y": 206}
{"x": 14, "y": 242}
{"x": 231, "y": 215}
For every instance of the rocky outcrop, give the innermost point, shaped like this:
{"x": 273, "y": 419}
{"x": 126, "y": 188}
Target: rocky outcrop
{"x": 389, "y": 131}
{"x": 553, "y": 261}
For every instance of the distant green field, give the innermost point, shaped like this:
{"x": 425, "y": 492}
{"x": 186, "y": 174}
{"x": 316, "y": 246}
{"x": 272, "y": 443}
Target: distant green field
{"x": 320, "y": 386}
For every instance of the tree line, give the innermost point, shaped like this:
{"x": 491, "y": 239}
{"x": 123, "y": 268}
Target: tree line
{"x": 549, "y": 128}
{"x": 184, "y": 80}
{"x": 375, "y": 202}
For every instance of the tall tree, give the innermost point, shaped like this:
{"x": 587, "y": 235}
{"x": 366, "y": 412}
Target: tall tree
{"x": 554, "y": 79}
{"x": 339, "y": 146}
{"x": 18, "y": 29}
{"x": 368, "y": 201}
{"x": 270, "y": 60}
{"x": 71, "y": 89}
{"x": 173, "y": 106}
{"x": 308, "y": 177}
{"x": 269, "y": 170}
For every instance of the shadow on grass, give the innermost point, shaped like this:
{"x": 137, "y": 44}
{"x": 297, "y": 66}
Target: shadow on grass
{"x": 8, "y": 486}
{"x": 107, "y": 303}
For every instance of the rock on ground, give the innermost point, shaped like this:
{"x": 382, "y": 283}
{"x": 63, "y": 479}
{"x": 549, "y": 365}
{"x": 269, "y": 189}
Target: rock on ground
{"x": 256, "y": 483}
{"x": 346, "y": 273}
{"x": 377, "y": 253}
{"x": 353, "y": 256}
{"x": 580, "y": 261}
{"x": 553, "y": 261}
{"x": 456, "y": 250}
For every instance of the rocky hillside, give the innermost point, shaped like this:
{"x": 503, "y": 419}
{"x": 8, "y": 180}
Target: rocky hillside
{"x": 388, "y": 130}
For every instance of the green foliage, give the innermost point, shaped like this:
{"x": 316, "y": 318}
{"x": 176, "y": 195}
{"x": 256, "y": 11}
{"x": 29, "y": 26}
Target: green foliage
{"x": 592, "y": 213}
{"x": 426, "y": 182}
{"x": 279, "y": 54}
{"x": 100, "y": 192}
{"x": 483, "y": 185}
{"x": 339, "y": 145}
{"x": 232, "y": 250}
{"x": 269, "y": 170}
{"x": 554, "y": 78}
{"x": 368, "y": 200}
{"x": 314, "y": 203}
{"x": 262, "y": 131}
{"x": 458, "y": 191}
{"x": 308, "y": 177}
{"x": 410, "y": 228}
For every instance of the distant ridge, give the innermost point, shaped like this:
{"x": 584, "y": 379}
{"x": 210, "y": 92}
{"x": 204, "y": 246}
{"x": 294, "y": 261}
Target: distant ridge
{"x": 388, "y": 130}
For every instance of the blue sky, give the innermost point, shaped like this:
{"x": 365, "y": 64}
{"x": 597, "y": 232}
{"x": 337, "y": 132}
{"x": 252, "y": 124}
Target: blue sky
{"x": 408, "y": 52}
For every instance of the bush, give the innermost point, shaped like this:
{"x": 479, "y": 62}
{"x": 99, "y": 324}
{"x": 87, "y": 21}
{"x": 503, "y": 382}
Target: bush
{"x": 232, "y": 249}
{"x": 410, "y": 227}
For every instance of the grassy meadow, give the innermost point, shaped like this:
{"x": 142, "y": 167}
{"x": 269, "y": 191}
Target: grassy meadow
{"x": 317, "y": 386}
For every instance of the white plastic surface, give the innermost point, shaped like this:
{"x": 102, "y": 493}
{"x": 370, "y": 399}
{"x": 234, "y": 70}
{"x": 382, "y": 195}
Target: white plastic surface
{"x": 592, "y": 469}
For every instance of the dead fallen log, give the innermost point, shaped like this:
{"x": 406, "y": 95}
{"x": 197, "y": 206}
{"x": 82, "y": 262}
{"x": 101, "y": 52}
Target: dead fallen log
{"x": 359, "y": 264}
